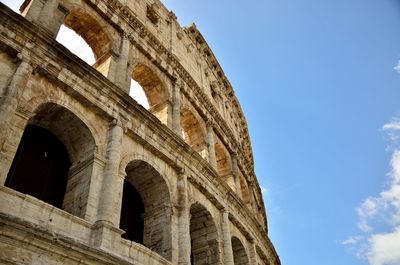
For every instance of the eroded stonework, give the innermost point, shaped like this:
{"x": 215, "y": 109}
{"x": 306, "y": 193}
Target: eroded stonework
{"x": 121, "y": 184}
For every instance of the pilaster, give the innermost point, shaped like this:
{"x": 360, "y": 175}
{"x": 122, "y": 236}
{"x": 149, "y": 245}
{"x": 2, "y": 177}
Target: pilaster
{"x": 183, "y": 221}
{"x": 211, "y": 144}
{"x": 235, "y": 173}
{"x": 252, "y": 252}
{"x": 48, "y": 14}
{"x": 118, "y": 68}
{"x": 108, "y": 210}
{"x": 176, "y": 109}
{"x": 226, "y": 238}
{"x": 8, "y": 106}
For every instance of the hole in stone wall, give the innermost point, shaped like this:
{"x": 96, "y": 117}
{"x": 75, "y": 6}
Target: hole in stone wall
{"x": 239, "y": 253}
{"x": 154, "y": 90}
{"x": 137, "y": 93}
{"x": 132, "y": 211}
{"x": 203, "y": 235}
{"x": 144, "y": 186}
{"x": 40, "y": 166}
{"x": 193, "y": 133}
{"x": 40, "y": 160}
{"x": 76, "y": 44}
{"x": 224, "y": 164}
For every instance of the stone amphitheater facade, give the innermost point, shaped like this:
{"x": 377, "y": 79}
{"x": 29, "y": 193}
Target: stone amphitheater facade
{"x": 89, "y": 176}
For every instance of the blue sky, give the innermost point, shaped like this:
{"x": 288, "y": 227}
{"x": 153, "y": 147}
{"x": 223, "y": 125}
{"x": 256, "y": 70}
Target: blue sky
{"x": 317, "y": 84}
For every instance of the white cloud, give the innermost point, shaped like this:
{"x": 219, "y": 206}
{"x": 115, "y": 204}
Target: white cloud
{"x": 352, "y": 240}
{"x": 385, "y": 248}
{"x": 393, "y": 129}
{"x": 382, "y": 248}
{"x": 263, "y": 190}
{"x": 397, "y": 67}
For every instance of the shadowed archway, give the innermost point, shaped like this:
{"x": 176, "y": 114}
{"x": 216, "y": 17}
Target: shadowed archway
{"x": 146, "y": 208}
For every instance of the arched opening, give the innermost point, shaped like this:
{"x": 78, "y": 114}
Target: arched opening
{"x": 87, "y": 39}
{"x": 54, "y": 160}
{"x": 40, "y": 166}
{"x": 76, "y": 44}
{"x": 239, "y": 253}
{"x": 203, "y": 236}
{"x": 153, "y": 89}
{"x": 132, "y": 214}
{"x": 244, "y": 190}
{"x": 193, "y": 133}
{"x": 137, "y": 93}
{"x": 224, "y": 165}
{"x": 90, "y": 30}
{"x": 146, "y": 208}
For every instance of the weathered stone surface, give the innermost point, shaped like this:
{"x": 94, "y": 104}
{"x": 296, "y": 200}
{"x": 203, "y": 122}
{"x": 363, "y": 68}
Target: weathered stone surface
{"x": 188, "y": 156}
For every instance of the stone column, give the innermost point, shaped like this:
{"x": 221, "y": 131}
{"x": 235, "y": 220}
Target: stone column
{"x": 176, "y": 109}
{"x": 168, "y": 119}
{"x": 252, "y": 252}
{"x": 8, "y": 106}
{"x": 226, "y": 238}
{"x": 118, "y": 68}
{"x": 47, "y": 14}
{"x": 108, "y": 210}
{"x": 235, "y": 173}
{"x": 183, "y": 221}
{"x": 211, "y": 145}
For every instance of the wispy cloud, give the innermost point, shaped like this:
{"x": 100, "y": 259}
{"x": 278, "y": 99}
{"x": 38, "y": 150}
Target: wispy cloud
{"x": 263, "y": 190}
{"x": 382, "y": 248}
{"x": 352, "y": 240}
{"x": 397, "y": 67}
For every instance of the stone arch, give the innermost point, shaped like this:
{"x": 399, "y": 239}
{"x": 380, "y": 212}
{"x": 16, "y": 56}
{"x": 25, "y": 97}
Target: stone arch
{"x": 143, "y": 157}
{"x": 90, "y": 30}
{"x": 97, "y": 34}
{"x": 69, "y": 131}
{"x": 239, "y": 252}
{"x": 203, "y": 236}
{"x": 224, "y": 164}
{"x": 193, "y": 132}
{"x": 245, "y": 192}
{"x": 154, "y": 88}
{"x": 151, "y": 216}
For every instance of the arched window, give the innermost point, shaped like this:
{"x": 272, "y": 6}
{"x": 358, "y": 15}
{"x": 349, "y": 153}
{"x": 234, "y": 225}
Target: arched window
{"x": 203, "y": 237}
{"x": 239, "y": 253}
{"x": 153, "y": 89}
{"x": 146, "y": 210}
{"x": 76, "y": 44}
{"x": 40, "y": 167}
{"x": 245, "y": 190}
{"x": 193, "y": 133}
{"x": 137, "y": 93}
{"x": 224, "y": 165}
{"x": 132, "y": 214}
{"x": 91, "y": 31}
{"x": 54, "y": 160}
{"x": 84, "y": 36}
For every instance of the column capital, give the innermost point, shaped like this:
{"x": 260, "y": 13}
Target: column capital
{"x": 115, "y": 122}
{"x": 210, "y": 123}
{"x": 234, "y": 154}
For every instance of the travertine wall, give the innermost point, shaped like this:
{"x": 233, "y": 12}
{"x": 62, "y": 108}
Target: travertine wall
{"x": 188, "y": 156}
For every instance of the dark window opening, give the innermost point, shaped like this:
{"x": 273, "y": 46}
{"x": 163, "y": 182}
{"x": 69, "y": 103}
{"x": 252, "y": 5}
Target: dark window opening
{"x": 40, "y": 166}
{"x": 132, "y": 211}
